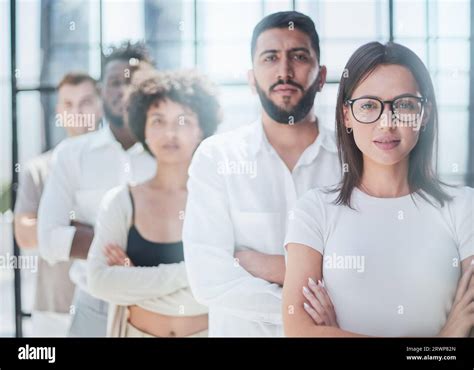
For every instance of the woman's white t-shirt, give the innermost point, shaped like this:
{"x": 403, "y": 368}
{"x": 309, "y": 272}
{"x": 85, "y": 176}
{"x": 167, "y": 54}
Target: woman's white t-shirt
{"x": 392, "y": 265}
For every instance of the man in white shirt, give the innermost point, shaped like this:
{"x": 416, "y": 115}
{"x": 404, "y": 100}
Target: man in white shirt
{"x": 83, "y": 170}
{"x": 243, "y": 184}
{"x": 78, "y": 110}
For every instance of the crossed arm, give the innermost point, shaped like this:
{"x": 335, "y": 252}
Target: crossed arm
{"x": 311, "y": 313}
{"x": 245, "y": 284}
{"x": 60, "y": 237}
{"x": 25, "y": 230}
{"x": 268, "y": 267}
{"x": 26, "y": 212}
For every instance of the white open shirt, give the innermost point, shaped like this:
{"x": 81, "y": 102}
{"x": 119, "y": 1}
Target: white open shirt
{"x": 84, "y": 168}
{"x": 240, "y": 195}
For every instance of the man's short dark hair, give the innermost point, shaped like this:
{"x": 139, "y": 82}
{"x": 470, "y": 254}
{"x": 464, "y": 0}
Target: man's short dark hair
{"x": 127, "y": 52}
{"x": 287, "y": 19}
{"x": 187, "y": 88}
{"x": 76, "y": 78}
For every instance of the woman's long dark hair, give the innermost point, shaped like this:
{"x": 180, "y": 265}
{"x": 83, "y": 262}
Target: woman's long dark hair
{"x": 421, "y": 174}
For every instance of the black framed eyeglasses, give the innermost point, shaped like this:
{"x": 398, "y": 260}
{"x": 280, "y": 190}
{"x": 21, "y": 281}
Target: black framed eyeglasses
{"x": 405, "y": 108}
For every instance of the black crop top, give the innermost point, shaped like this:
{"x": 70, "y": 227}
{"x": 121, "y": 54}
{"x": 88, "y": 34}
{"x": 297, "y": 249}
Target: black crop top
{"x": 143, "y": 252}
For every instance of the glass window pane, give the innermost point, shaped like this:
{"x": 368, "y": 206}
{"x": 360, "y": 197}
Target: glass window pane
{"x": 5, "y": 97}
{"x": 186, "y": 24}
{"x": 273, "y": 6}
{"x": 452, "y": 88}
{"x": 67, "y": 41}
{"x": 7, "y": 314}
{"x": 219, "y": 21}
{"x": 453, "y": 142}
{"x": 453, "y": 18}
{"x": 409, "y": 18}
{"x": 225, "y": 62}
{"x": 187, "y": 55}
{"x": 117, "y": 26}
{"x": 169, "y": 21}
{"x": 28, "y": 42}
{"x": 172, "y": 55}
{"x": 335, "y": 54}
{"x": 169, "y": 28}
{"x": 30, "y": 125}
{"x": 359, "y": 19}
{"x": 453, "y": 55}
{"x": 5, "y": 139}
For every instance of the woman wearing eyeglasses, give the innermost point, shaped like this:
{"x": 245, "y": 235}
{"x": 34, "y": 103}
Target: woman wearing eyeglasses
{"x": 388, "y": 252}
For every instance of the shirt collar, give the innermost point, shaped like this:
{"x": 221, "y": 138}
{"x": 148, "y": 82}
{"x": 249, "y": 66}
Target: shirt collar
{"x": 325, "y": 139}
{"x": 105, "y": 137}
{"x": 258, "y": 138}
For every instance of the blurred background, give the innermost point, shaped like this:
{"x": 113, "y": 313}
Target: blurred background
{"x": 41, "y": 40}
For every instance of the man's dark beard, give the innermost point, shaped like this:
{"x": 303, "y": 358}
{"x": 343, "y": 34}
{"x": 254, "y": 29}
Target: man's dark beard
{"x": 299, "y": 111}
{"x": 113, "y": 119}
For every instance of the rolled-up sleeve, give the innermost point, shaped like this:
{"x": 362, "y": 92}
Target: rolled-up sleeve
{"x": 214, "y": 276}
{"x": 55, "y": 232}
{"x": 125, "y": 285}
{"x": 28, "y": 194}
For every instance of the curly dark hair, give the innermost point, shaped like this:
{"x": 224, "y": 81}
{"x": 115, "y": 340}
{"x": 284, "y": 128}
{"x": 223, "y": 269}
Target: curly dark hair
{"x": 126, "y": 52}
{"x": 187, "y": 87}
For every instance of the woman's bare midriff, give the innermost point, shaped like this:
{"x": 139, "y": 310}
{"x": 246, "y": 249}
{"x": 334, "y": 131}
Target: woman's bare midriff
{"x": 160, "y": 325}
